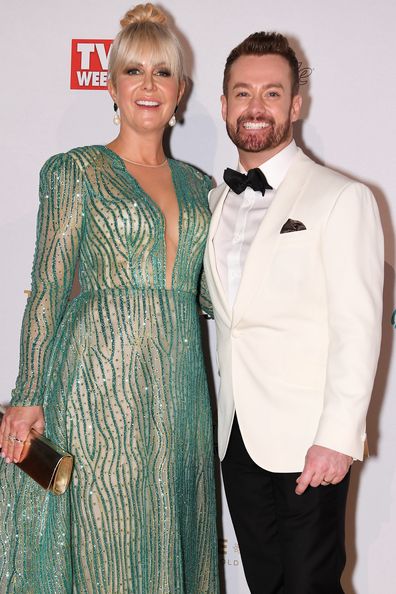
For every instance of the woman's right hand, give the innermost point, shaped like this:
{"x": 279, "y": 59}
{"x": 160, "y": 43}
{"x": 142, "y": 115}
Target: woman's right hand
{"x": 15, "y": 427}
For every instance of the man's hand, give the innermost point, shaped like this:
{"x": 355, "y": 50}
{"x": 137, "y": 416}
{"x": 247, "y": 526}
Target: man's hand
{"x": 15, "y": 427}
{"x": 322, "y": 467}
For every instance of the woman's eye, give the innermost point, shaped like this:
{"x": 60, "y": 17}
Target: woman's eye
{"x": 164, "y": 72}
{"x": 133, "y": 71}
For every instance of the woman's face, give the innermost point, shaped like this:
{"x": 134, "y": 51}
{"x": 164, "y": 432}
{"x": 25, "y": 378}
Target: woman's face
{"x": 146, "y": 95}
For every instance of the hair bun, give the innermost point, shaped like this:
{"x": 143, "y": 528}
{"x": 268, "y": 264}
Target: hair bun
{"x": 144, "y": 13}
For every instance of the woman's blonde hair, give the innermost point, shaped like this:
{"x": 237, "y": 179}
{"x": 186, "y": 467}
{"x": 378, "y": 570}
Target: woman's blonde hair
{"x": 145, "y": 34}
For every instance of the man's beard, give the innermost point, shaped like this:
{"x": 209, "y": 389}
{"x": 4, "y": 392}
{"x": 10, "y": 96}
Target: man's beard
{"x": 263, "y": 140}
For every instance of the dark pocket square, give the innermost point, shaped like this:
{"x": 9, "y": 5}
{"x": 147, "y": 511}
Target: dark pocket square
{"x": 292, "y": 225}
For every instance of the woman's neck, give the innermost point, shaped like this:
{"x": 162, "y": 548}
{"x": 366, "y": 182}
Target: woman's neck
{"x": 138, "y": 147}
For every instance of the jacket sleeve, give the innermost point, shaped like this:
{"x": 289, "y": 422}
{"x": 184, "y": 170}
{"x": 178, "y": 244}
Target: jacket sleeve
{"x": 58, "y": 234}
{"x": 353, "y": 262}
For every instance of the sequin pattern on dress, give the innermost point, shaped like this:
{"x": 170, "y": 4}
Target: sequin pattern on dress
{"x": 119, "y": 371}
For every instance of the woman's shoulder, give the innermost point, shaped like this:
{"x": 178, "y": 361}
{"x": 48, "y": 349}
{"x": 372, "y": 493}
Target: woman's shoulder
{"x": 80, "y": 157}
{"x": 193, "y": 175}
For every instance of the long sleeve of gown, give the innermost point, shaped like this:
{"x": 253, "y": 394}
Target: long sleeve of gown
{"x": 205, "y": 301}
{"x": 59, "y": 227}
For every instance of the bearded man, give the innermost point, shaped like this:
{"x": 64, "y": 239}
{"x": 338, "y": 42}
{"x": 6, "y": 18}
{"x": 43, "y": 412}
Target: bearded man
{"x": 294, "y": 264}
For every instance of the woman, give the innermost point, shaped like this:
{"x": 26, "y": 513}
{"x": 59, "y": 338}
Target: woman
{"x": 118, "y": 371}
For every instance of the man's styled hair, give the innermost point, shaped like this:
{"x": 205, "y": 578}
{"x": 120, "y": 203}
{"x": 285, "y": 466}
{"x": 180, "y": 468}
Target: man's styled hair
{"x": 261, "y": 44}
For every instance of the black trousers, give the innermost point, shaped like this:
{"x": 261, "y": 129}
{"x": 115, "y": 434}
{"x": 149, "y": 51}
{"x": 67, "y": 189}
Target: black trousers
{"x": 290, "y": 544}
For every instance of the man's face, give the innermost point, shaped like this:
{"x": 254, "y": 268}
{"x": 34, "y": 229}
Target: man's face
{"x": 259, "y": 108}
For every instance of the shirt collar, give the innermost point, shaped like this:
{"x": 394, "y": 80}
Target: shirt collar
{"x": 275, "y": 169}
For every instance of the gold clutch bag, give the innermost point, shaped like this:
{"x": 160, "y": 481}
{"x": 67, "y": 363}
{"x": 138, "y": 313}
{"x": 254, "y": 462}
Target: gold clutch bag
{"x": 45, "y": 463}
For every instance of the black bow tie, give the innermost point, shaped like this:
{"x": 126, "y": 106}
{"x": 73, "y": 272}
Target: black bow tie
{"x": 238, "y": 182}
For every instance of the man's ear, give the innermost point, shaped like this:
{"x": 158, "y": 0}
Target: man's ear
{"x": 223, "y": 100}
{"x": 296, "y": 108}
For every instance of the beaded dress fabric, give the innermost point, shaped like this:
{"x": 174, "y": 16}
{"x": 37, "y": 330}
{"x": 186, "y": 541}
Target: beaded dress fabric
{"x": 119, "y": 371}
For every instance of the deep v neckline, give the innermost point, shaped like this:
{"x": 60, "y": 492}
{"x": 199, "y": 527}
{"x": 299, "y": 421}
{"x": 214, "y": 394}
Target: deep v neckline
{"x": 117, "y": 160}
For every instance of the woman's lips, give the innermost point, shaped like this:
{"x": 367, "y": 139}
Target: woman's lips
{"x": 147, "y": 103}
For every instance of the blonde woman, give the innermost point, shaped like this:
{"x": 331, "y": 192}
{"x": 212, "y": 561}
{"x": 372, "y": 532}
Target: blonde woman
{"x": 116, "y": 375}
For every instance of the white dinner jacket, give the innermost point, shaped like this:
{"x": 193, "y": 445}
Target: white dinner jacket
{"x": 298, "y": 352}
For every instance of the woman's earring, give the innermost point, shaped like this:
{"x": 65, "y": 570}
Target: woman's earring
{"x": 116, "y": 118}
{"x": 172, "y": 121}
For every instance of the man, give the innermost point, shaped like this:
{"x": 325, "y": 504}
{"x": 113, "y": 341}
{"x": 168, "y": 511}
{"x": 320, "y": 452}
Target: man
{"x": 294, "y": 264}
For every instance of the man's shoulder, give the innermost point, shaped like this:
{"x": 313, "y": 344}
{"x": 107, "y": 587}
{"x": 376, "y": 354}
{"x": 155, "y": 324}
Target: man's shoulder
{"x": 324, "y": 174}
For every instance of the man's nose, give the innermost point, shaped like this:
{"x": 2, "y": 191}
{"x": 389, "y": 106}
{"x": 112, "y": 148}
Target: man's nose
{"x": 257, "y": 104}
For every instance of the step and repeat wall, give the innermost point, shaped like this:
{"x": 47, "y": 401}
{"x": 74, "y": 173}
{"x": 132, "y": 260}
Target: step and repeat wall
{"x": 54, "y": 97}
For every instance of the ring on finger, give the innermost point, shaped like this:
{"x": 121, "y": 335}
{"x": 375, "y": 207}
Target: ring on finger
{"x": 15, "y": 438}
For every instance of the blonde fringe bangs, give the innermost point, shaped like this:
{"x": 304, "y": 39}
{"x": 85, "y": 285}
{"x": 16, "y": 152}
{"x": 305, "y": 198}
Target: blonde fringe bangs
{"x": 145, "y": 42}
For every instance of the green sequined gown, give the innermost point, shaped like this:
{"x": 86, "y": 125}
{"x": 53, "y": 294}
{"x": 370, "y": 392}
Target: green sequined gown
{"x": 119, "y": 371}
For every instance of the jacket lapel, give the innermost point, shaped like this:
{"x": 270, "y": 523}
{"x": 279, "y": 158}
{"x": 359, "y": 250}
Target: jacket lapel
{"x": 265, "y": 243}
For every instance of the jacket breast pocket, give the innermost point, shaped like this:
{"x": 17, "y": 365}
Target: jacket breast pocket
{"x": 294, "y": 264}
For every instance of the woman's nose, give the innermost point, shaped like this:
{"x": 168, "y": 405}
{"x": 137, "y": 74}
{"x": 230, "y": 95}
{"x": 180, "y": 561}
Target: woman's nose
{"x": 148, "y": 81}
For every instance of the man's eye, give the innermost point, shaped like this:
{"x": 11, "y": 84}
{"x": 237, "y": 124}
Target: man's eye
{"x": 242, "y": 94}
{"x": 273, "y": 94}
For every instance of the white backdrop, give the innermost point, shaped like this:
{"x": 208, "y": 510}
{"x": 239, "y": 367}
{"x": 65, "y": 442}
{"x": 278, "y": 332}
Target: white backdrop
{"x": 347, "y": 124}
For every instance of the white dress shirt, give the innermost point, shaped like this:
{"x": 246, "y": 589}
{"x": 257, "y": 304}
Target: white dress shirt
{"x": 240, "y": 219}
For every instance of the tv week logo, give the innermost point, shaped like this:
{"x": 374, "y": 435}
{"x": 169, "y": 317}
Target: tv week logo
{"x": 89, "y": 58}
